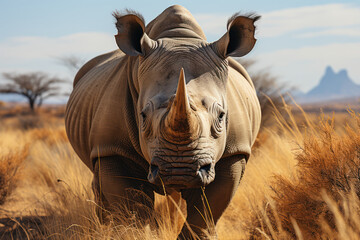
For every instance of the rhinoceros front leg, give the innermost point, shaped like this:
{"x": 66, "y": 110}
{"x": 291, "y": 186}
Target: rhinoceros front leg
{"x": 219, "y": 193}
{"x": 121, "y": 185}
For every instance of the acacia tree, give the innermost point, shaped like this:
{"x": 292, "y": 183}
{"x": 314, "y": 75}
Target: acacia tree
{"x": 35, "y": 86}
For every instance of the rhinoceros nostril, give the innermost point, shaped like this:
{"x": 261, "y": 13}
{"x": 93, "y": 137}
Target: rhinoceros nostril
{"x": 154, "y": 169}
{"x": 206, "y": 168}
{"x": 153, "y": 173}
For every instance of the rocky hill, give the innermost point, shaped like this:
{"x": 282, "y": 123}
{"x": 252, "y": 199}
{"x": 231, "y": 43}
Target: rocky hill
{"x": 332, "y": 86}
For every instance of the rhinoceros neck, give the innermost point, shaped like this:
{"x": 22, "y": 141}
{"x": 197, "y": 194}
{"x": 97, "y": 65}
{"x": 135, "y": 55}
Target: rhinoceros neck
{"x": 174, "y": 22}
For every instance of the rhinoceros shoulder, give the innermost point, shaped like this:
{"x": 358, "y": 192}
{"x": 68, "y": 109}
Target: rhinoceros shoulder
{"x": 244, "y": 113}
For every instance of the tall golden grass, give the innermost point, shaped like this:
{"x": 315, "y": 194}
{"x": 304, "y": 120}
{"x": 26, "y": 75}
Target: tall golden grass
{"x": 302, "y": 182}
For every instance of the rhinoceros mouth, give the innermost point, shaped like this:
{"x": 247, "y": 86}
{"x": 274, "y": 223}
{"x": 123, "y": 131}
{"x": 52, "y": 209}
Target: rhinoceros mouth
{"x": 180, "y": 172}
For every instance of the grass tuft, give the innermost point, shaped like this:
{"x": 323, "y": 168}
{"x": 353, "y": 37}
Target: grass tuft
{"x": 10, "y": 167}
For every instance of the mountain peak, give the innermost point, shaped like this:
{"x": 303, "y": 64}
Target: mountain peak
{"x": 334, "y": 86}
{"x": 332, "y": 78}
{"x": 343, "y": 73}
{"x": 329, "y": 71}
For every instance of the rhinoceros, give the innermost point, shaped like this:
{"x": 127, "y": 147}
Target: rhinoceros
{"x": 166, "y": 112}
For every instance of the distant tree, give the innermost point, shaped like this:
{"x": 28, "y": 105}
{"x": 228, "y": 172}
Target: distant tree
{"x": 71, "y": 62}
{"x": 35, "y": 86}
{"x": 270, "y": 91}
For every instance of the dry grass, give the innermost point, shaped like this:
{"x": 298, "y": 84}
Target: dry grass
{"x": 10, "y": 166}
{"x": 303, "y": 181}
{"x": 327, "y": 178}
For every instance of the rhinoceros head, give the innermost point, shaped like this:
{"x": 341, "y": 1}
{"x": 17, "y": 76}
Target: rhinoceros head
{"x": 182, "y": 106}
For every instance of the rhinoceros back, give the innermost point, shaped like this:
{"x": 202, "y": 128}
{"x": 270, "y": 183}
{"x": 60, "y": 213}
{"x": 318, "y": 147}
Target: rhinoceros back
{"x": 99, "y": 116}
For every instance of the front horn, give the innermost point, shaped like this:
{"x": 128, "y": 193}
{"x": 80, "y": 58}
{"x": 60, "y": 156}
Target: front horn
{"x": 181, "y": 123}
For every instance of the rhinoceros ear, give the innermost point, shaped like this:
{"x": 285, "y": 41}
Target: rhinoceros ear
{"x": 131, "y": 37}
{"x": 239, "y": 40}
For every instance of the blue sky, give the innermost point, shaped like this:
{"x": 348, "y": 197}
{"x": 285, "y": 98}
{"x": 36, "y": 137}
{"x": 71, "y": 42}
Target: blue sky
{"x": 296, "y": 39}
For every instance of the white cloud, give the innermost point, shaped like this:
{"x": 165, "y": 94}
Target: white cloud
{"x": 29, "y": 54}
{"x": 44, "y": 47}
{"x": 344, "y": 32}
{"x": 303, "y": 67}
{"x": 309, "y": 19}
{"x": 328, "y": 19}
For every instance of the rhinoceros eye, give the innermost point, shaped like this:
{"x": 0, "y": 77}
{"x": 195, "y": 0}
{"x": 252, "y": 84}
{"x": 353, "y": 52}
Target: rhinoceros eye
{"x": 219, "y": 117}
{"x": 144, "y": 118}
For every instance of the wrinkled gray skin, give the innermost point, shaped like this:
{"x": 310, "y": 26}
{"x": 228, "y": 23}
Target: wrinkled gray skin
{"x": 168, "y": 109}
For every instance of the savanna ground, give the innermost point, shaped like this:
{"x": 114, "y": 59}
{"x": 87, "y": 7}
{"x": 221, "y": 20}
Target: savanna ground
{"x": 302, "y": 182}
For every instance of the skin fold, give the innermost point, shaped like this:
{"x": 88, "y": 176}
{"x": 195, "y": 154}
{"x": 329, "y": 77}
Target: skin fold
{"x": 167, "y": 110}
